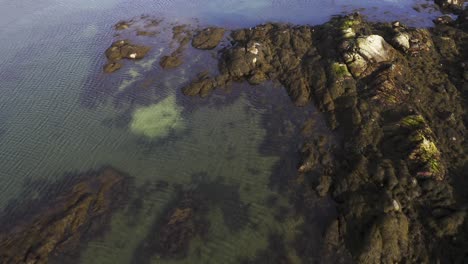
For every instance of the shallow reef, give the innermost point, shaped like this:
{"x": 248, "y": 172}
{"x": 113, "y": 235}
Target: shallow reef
{"x": 51, "y": 228}
{"x": 186, "y": 218}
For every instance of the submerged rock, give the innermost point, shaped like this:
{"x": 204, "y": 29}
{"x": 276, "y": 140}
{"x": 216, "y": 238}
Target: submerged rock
{"x": 181, "y": 225}
{"x": 180, "y": 34}
{"x": 170, "y": 62}
{"x": 208, "y": 38}
{"x": 146, "y": 33}
{"x": 112, "y": 67}
{"x": 123, "y": 25}
{"x": 186, "y": 218}
{"x": 59, "y": 225}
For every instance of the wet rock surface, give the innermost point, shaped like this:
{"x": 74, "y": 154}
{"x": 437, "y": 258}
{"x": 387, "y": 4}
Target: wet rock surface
{"x": 208, "y": 38}
{"x": 396, "y": 97}
{"x": 123, "y": 49}
{"x": 56, "y": 224}
{"x": 181, "y": 36}
{"x": 169, "y": 62}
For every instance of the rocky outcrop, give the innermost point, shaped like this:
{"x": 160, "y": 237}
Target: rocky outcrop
{"x": 267, "y": 52}
{"x": 366, "y": 54}
{"x": 382, "y": 88}
{"x": 123, "y": 49}
{"x": 208, "y": 38}
{"x": 64, "y": 219}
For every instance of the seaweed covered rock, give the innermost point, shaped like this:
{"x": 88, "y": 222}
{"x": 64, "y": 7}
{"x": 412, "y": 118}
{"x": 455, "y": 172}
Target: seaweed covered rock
{"x": 63, "y": 220}
{"x": 423, "y": 156}
{"x": 208, "y": 38}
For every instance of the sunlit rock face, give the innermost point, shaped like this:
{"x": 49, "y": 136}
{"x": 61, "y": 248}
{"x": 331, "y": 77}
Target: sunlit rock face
{"x": 367, "y": 53}
{"x": 158, "y": 120}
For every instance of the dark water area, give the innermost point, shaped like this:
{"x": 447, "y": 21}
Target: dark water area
{"x": 233, "y": 151}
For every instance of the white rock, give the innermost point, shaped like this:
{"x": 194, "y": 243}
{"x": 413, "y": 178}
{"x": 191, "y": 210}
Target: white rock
{"x": 396, "y": 205}
{"x": 253, "y": 50}
{"x": 133, "y": 55}
{"x": 349, "y": 33}
{"x": 402, "y": 40}
{"x": 374, "y": 48}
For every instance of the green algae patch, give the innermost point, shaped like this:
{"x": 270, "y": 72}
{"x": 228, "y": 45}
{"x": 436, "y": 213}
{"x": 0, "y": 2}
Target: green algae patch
{"x": 413, "y": 122}
{"x": 340, "y": 70}
{"x": 157, "y": 120}
{"x": 428, "y": 154}
{"x": 424, "y": 154}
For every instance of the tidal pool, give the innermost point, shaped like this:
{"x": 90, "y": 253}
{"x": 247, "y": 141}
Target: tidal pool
{"x": 59, "y": 113}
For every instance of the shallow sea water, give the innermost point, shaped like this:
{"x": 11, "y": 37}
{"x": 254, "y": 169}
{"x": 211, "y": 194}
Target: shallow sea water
{"x": 59, "y": 114}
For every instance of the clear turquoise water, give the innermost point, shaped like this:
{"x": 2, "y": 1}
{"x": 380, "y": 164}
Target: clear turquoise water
{"x": 59, "y": 113}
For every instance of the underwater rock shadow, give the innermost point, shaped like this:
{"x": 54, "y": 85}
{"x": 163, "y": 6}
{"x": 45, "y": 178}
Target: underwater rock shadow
{"x": 185, "y": 217}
